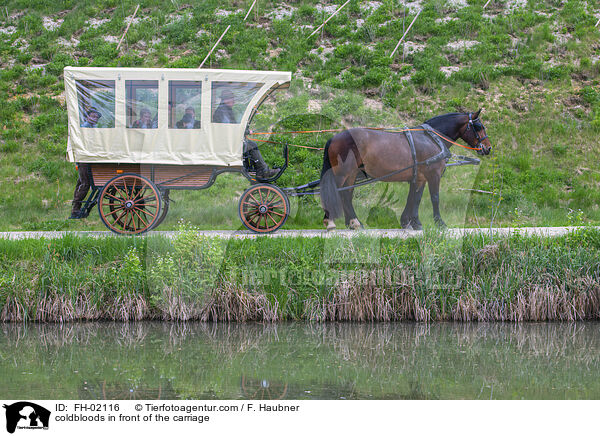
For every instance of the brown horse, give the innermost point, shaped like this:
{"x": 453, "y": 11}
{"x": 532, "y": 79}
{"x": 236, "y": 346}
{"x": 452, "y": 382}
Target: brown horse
{"x": 389, "y": 156}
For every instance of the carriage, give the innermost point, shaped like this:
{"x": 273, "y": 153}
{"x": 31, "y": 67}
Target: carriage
{"x": 146, "y": 131}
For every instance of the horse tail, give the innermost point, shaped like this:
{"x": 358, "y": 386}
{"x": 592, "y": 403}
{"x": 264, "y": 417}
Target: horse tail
{"x": 330, "y": 196}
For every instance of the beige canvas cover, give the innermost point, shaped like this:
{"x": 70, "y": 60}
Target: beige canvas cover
{"x": 118, "y": 137}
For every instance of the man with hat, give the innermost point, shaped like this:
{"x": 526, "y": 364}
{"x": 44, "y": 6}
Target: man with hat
{"x": 224, "y": 114}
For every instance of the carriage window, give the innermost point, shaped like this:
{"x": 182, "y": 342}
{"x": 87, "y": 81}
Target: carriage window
{"x": 230, "y": 100}
{"x": 142, "y": 104}
{"x": 185, "y": 103}
{"x": 96, "y": 100}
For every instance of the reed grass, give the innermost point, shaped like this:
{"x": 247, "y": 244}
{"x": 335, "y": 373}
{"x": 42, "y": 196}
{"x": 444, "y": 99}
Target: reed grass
{"x": 363, "y": 279}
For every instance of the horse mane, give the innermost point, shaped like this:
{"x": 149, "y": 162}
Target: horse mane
{"x": 441, "y": 118}
{"x": 446, "y": 123}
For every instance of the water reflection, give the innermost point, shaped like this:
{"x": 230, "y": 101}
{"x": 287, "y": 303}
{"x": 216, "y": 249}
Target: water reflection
{"x": 300, "y": 361}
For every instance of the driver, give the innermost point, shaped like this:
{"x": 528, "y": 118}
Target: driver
{"x": 224, "y": 114}
{"x": 83, "y": 180}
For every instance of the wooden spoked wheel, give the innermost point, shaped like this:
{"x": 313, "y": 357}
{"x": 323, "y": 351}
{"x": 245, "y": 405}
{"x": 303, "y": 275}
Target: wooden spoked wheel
{"x": 129, "y": 204}
{"x": 264, "y": 208}
{"x": 165, "y": 208}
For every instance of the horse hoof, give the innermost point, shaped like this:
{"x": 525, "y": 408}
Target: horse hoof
{"x": 330, "y": 226}
{"x": 407, "y": 227}
{"x": 355, "y": 224}
{"x": 441, "y": 224}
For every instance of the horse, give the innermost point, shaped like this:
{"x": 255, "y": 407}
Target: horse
{"x": 390, "y": 157}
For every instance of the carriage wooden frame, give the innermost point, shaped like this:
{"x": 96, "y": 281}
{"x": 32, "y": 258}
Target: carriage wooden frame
{"x": 132, "y": 170}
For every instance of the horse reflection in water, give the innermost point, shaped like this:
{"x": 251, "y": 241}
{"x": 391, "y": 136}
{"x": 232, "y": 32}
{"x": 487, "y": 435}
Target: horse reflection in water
{"x": 416, "y": 155}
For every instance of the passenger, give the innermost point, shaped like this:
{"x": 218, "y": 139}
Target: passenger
{"x": 91, "y": 118}
{"x": 224, "y": 114}
{"x": 145, "y": 121}
{"x": 189, "y": 120}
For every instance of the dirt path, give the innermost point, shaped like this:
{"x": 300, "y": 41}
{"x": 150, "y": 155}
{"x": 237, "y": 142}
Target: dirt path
{"x": 227, "y": 234}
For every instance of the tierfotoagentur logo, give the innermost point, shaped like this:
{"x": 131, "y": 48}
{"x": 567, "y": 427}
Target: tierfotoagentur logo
{"x": 26, "y": 415}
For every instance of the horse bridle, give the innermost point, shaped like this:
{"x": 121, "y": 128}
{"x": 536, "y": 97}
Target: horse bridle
{"x": 471, "y": 125}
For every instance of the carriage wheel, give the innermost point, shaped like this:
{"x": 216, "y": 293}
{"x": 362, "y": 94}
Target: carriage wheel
{"x": 165, "y": 208}
{"x": 129, "y": 204}
{"x": 264, "y": 208}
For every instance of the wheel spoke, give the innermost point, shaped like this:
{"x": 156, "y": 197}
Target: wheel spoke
{"x": 114, "y": 211}
{"x": 249, "y": 215}
{"x": 277, "y": 213}
{"x": 276, "y": 204}
{"x": 250, "y": 194}
{"x": 140, "y": 217}
{"x": 116, "y": 198}
{"x": 149, "y": 198}
{"x": 133, "y": 221}
{"x": 252, "y": 202}
{"x": 119, "y": 217}
{"x": 145, "y": 211}
{"x": 247, "y": 206}
{"x": 140, "y": 194}
{"x": 269, "y": 215}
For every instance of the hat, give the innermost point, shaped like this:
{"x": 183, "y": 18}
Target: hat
{"x": 226, "y": 94}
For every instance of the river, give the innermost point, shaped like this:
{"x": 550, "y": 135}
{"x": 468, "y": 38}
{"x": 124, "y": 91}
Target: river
{"x": 154, "y": 360}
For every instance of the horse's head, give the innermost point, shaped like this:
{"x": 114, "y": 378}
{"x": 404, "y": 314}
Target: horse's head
{"x": 473, "y": 133}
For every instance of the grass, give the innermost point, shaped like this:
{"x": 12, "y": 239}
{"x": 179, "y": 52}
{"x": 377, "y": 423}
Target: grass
{"x": 533, "y": 70}
{"x": 192, "y": 277}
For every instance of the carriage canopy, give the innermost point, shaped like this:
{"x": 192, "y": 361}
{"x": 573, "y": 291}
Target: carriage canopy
{"x": 163, "y": 115}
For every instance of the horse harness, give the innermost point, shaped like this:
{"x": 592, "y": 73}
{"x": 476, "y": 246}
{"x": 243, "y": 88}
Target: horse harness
{"x": 444, "y": 154}
{"x": 474, "y": 124}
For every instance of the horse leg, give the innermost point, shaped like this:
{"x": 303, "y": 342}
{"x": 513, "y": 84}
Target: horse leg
{"x": 329, "y": 222}
{"x": 405, "y": 218}
{"x": 418, "y": 194}
{"x": 349, "y": 213}
{"x": 434, "y": 193}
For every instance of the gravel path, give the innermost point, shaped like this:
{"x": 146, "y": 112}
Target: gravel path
{"x": 227, "y": 234}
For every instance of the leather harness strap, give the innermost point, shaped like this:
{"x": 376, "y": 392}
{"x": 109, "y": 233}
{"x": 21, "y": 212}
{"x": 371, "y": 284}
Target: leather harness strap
{"x": 444, "y": 153}
{"x": 413, "y": 152}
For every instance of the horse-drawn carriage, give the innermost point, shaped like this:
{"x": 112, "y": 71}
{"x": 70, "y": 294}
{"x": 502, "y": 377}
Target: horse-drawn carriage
{"x": 145, "y": 131}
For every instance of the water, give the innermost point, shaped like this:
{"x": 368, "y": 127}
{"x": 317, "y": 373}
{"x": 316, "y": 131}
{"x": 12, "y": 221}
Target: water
{"x": 300, "y": 361}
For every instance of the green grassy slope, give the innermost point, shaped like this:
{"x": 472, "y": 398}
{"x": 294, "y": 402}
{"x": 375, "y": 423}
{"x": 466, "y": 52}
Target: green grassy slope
{"x": 533, "y": 66}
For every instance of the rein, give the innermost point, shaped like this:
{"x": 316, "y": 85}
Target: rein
{"x": 370, "y": 128}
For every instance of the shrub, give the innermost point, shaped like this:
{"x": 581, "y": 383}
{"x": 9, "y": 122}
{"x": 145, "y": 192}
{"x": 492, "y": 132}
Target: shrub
{"x": 59, "y": 62}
